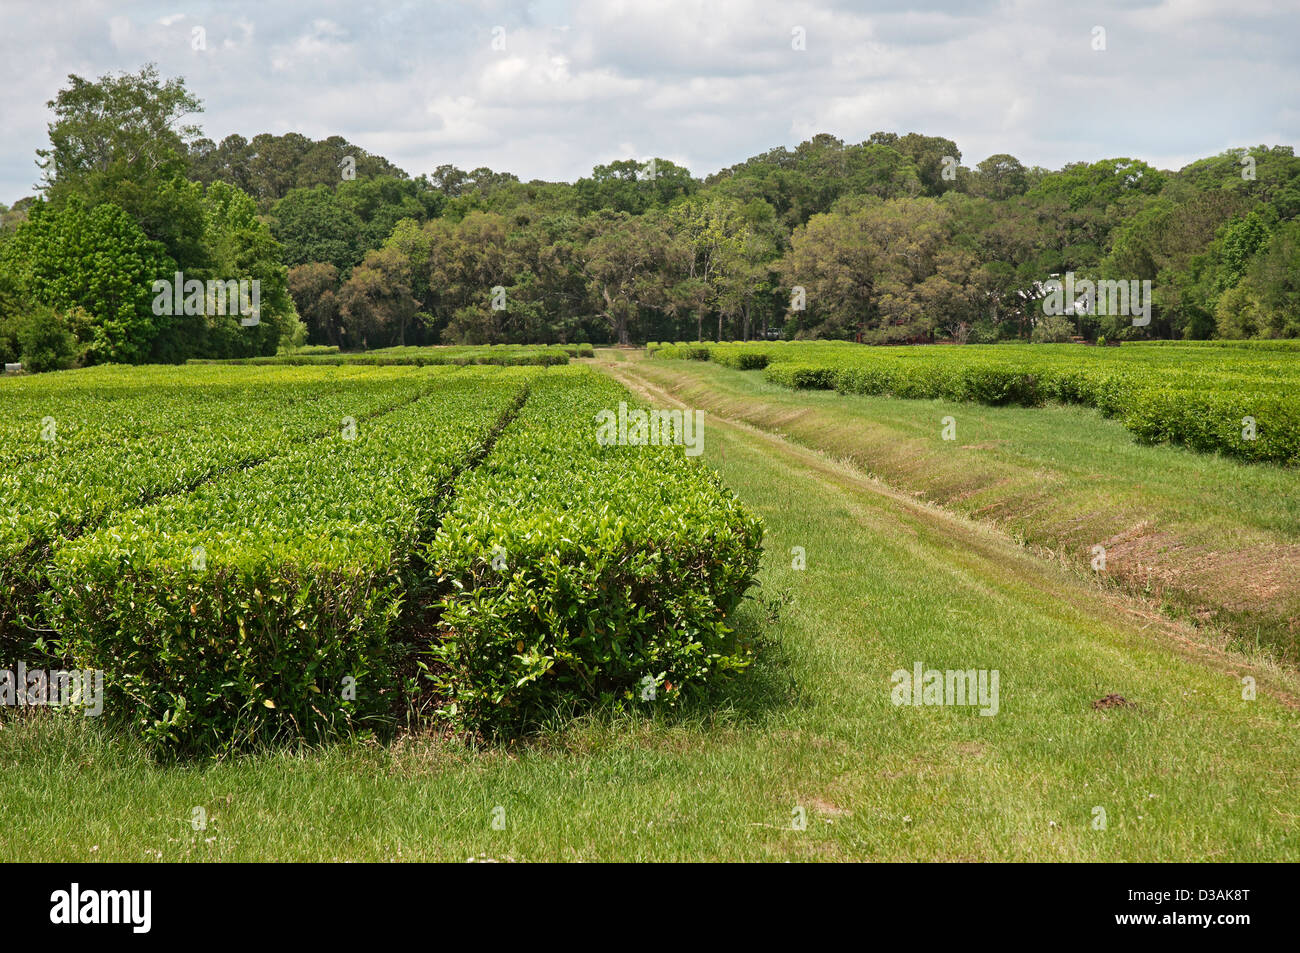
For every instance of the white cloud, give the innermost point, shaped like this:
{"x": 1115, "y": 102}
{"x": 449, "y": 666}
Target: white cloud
{"x": 706, "y": 84}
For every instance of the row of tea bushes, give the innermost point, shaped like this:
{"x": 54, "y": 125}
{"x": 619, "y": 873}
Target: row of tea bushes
{"x": 1239, "y": 401}
{"x": 1260, "y": 427}
{"x": 259, "y": 606}
{"x": 507, "y": 355}
{"x": 102, "y": 462}
{"x": 573, "y": 573}
{"x": 1252, "y": 344}
{"x": 51, "y": 416}
{"x": 295, "y": 597}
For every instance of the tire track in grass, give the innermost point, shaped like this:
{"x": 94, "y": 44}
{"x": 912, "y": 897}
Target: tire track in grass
{"x": 1194, "y": 771}
{"x": 1209, "y": 539}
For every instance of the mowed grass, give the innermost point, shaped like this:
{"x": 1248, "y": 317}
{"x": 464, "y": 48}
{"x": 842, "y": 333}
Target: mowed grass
{"x": 1192, "y": 772}
{"x": 1214, "y": 539}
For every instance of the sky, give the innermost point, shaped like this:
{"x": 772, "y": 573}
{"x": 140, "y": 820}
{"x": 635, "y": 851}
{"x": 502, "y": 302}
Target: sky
{"x": 549, "y": 89}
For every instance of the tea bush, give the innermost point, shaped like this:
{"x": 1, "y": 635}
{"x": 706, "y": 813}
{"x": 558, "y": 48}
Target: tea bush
{"x": 258, "y": 607}
{"x": 1196, "y": 394}
{"x": 617, "y": 568}
{"x": 84, "y": 445}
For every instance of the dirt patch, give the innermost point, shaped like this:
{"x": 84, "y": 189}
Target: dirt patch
{"x": 827, "y": 808}
{"x": 1112, "y": 700}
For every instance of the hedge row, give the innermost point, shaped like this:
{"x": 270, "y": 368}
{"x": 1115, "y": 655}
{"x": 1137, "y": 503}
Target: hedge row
{"x": 616, "y": 568}
{"x": 1200, "y": 397}
{"x": 283, "y": 599}
{"x": 76, "y": 481}
{"x": 1245, "y": 345}
{"x": 506, "y": 355}
{"x": 1256, "y": 427}
{"x": 259, "y": 606}
{"x": 52, "y": 416}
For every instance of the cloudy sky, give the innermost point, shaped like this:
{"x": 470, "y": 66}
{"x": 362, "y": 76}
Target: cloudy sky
{"x": 547, "y": 89}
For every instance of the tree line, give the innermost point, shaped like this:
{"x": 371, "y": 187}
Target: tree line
{"x": 889, "y": 240}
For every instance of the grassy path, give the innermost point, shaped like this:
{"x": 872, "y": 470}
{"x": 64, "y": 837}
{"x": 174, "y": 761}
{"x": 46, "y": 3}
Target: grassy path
{"x": 1192, "y": 772}
{"x": 1204, "y": 537}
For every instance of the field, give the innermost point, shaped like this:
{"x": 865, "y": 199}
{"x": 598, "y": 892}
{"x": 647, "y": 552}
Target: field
{"x": 374, "y": 613}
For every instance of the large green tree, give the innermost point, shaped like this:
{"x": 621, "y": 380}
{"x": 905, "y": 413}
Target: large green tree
{"x": 122, "y": 139}
{"x": 630, "y": 264}
{"x": 99, "y": 262}
{"x": 313, "y": 225}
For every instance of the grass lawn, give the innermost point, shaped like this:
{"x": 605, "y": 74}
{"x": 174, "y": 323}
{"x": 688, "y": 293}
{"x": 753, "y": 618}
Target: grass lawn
{"x": 1192, "y": 771}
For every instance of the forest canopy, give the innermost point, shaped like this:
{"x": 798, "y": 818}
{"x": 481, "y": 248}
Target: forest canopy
{"x": 888, "y": 240}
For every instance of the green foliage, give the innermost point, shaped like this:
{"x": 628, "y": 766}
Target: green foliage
{"x": 1266, "y": 302}
{"x": 281, "y": 568}
{"x": 571, "y": 574}
{"x": 121, "y": 140}
{"x": 44, "y": 341}
{"x": 313, "y": 225}
{"x": 1242, "y": 239}
{"x": 239, "y": 247}
{"x": 1218, "y": 422}
{"x": 999, "y": 177}
{"x": 876, "y": 265}
{"x": 634, "y": 187}
{"x": 1258, "y": 174}
{"x": 1101, "y": 183}
{"x": 97, "y": 260}
{"x": 145, "y": 434}
{"x": 801, "y": 376}
{"x": 509, "y": 355}
{"x": 808, "y": 181}
{"x": 891, "y": 240}
{"x": 1196, "y": 396}
{"x": 127, "y": 117}
{"x": 314, "y": 289}
{"x": 269, "y": 167}
{"x": 1052, "y": 329}
{"x": 280, "y": 626}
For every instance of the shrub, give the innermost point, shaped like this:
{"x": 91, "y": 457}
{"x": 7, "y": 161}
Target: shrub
{"x": 864, "y": 380}
{"x": 1052, "y": 329}
{"x": 619, "y": 568}
{"x": 998, "y": 384}
{"x": 801, "y": 376}
{"x": 8, "y": 342}
{"x": 168, "y": 431}
{"x": 1218, "y": 422}
{"x": 45, "y": 342}
{"x": 1193, "y": 393}
{"x": 304, "y": 563}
